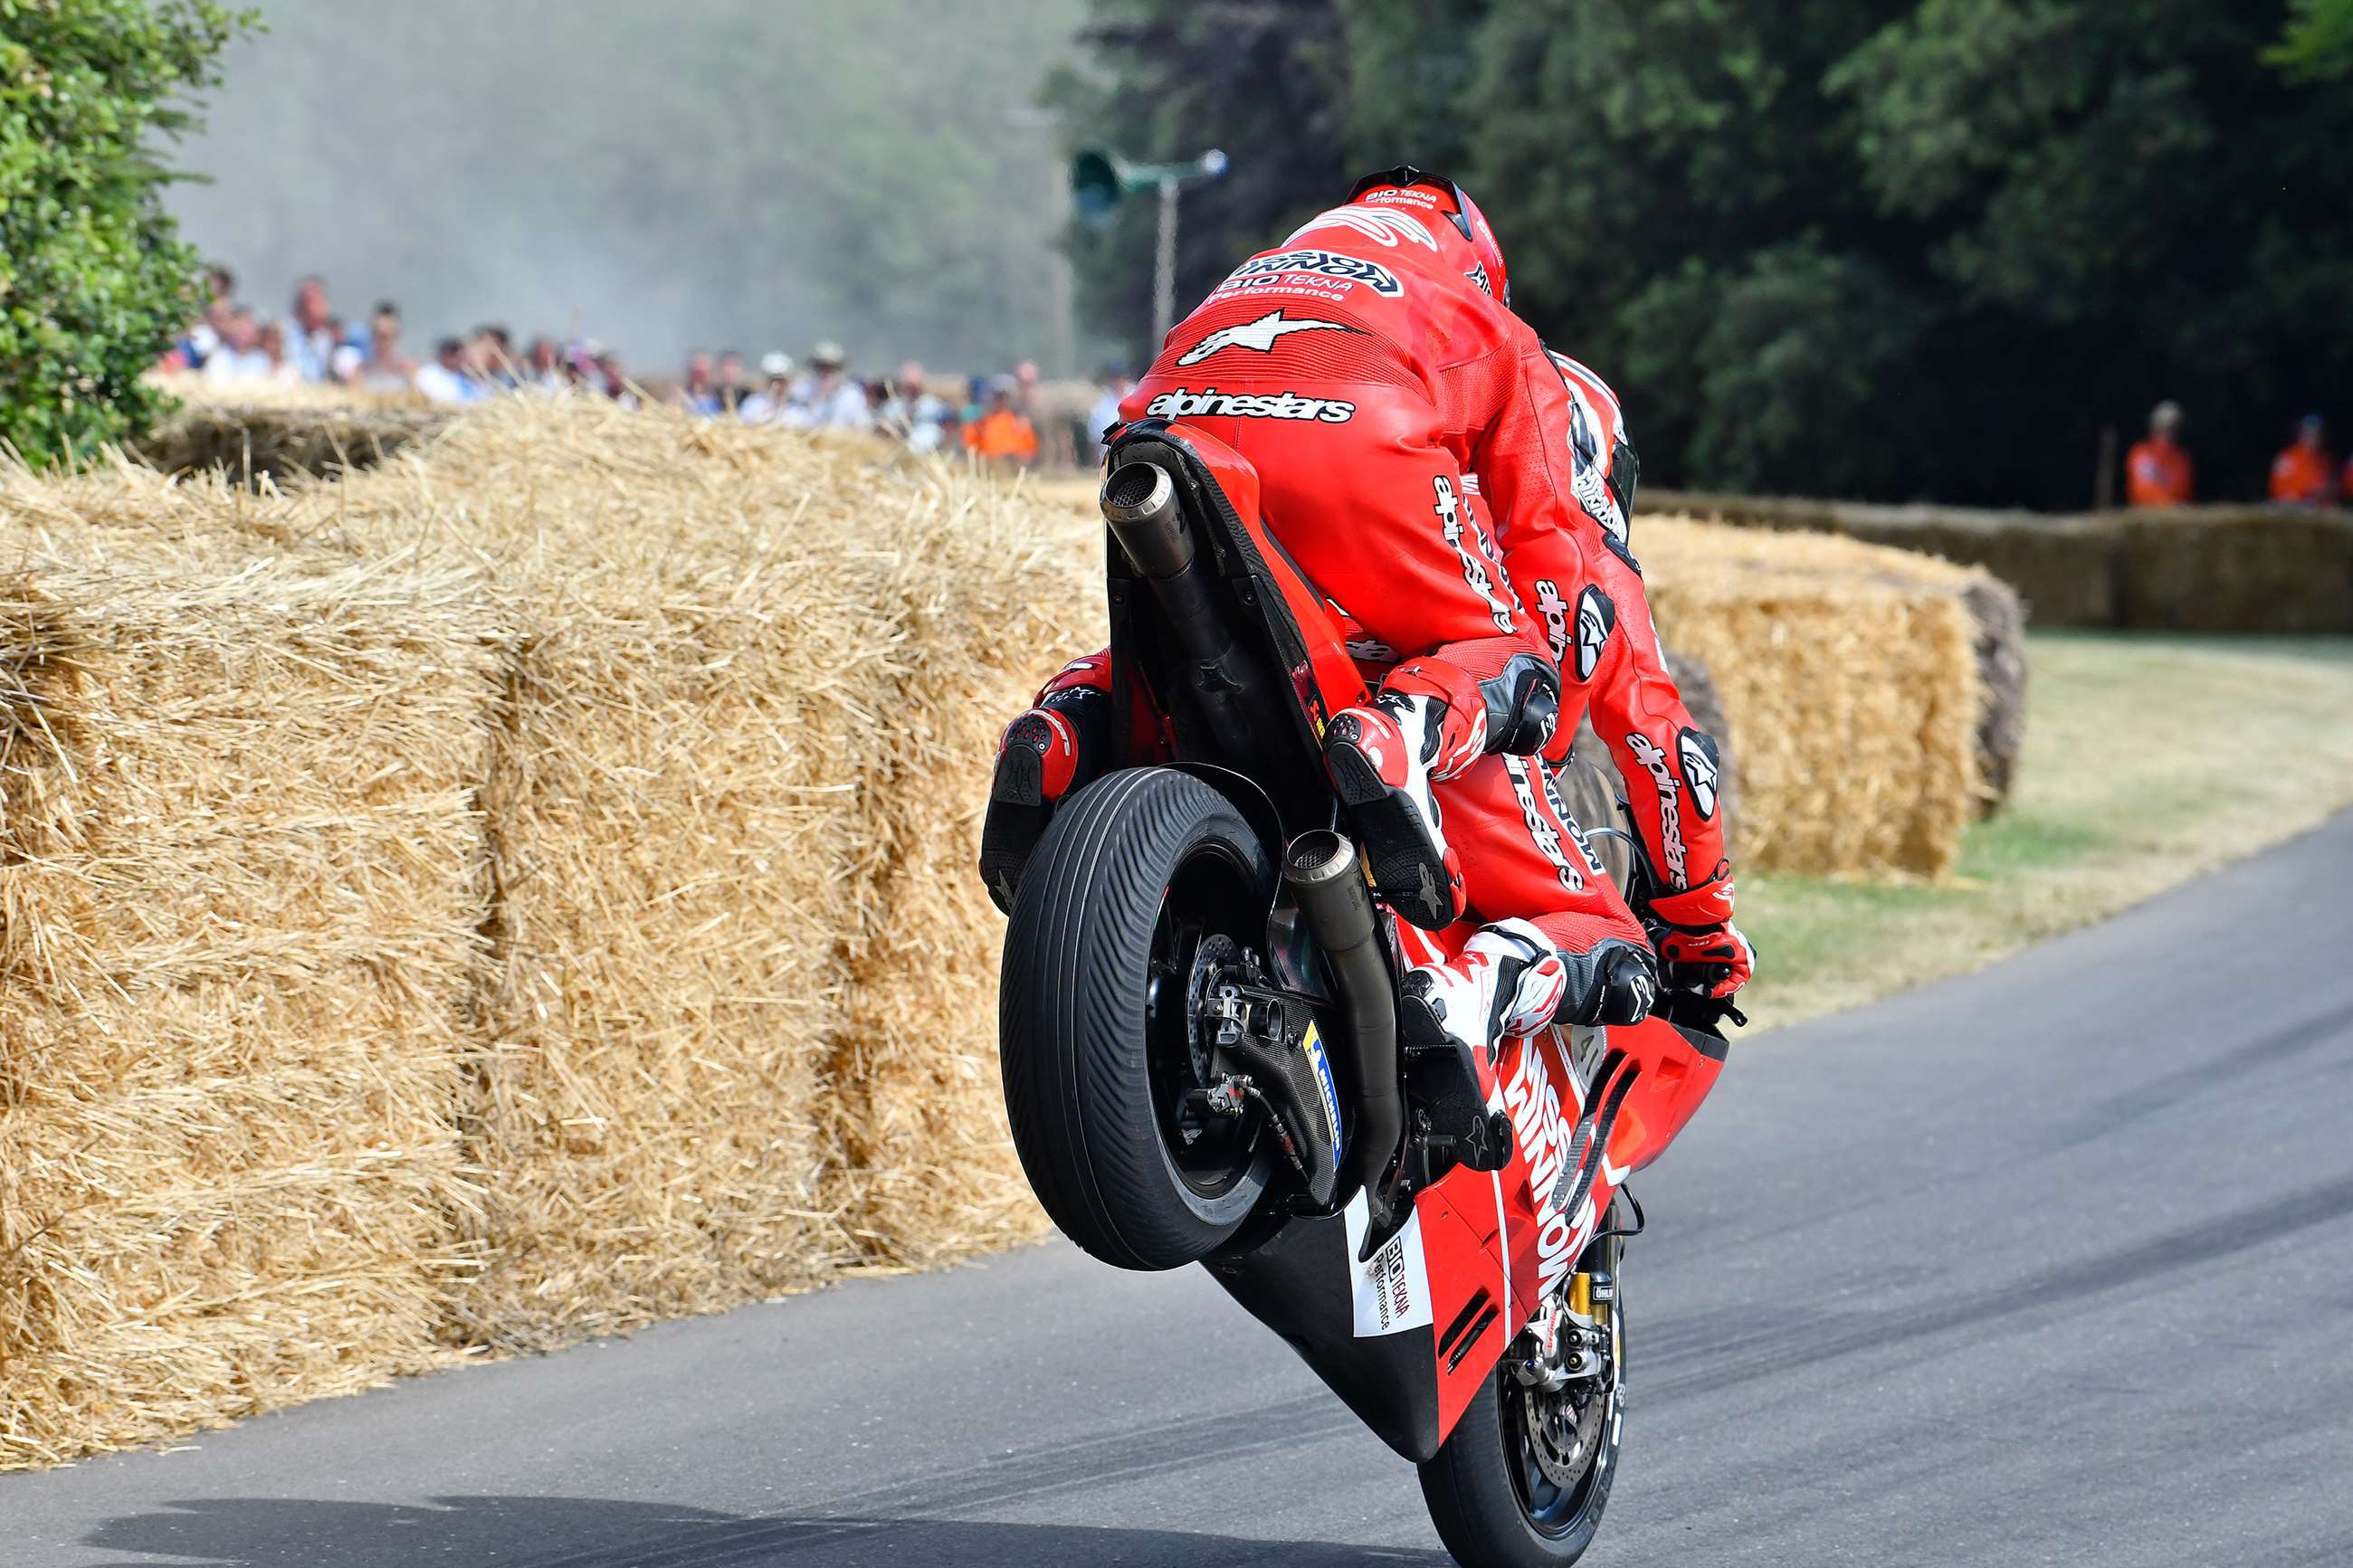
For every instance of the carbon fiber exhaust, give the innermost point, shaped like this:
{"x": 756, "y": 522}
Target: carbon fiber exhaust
{"x": 1328, "y": 880}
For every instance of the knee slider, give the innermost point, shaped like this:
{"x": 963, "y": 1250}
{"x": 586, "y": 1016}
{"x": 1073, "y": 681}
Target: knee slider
{"x": 1522, "y": 705}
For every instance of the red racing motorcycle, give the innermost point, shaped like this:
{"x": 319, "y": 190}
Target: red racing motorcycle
{"x": 1201, "y": 1057}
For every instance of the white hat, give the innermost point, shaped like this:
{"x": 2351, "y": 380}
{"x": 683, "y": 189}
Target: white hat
{"x": 829, "y": 352}
{"x": 776, "y": 364}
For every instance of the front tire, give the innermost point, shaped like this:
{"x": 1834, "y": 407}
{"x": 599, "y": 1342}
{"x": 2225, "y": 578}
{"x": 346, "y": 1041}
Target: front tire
{"x": 1141, "y": 880}
{"x": 1488, "y": 1491}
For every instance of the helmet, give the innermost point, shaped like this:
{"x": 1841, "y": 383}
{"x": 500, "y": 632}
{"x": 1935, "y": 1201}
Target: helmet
{"x": 1465, "y": 213}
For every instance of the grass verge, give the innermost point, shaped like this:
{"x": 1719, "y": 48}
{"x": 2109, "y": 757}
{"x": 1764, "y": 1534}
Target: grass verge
{"x": 2148, "y": 760}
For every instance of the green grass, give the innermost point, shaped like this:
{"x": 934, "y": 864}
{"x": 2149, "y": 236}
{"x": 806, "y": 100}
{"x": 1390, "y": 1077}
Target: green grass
{"x": 2148, "y": 760}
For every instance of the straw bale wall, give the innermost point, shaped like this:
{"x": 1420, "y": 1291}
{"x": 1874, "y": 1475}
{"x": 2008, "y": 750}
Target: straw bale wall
{"x": 2211, "y": 568}
{"x": 242, "y": 887}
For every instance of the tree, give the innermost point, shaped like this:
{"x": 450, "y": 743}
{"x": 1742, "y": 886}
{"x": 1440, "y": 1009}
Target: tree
{"x": 93, "y": 279}
{"x": 1926, "y": 248}
{"x": 2319, "y": 43}
{"x": 1264, "y": 80}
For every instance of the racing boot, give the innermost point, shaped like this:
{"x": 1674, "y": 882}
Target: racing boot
{"x": 1048, "y": 753}
{"x": 1507, "y": 981}
{"x": 1383, "y": 756}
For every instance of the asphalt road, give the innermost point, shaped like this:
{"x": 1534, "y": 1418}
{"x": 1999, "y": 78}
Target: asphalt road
{"x": 2053, "y": 1264}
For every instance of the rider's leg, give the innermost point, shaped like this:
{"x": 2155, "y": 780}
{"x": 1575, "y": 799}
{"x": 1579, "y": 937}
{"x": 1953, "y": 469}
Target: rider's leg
{"x": 1061, "y": 744}
{"x": 1392, "y": 534}
{"x": 1561, "y": 941}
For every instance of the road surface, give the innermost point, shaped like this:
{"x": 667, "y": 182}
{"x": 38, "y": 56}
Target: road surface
{"x": 2050, "y": 1264}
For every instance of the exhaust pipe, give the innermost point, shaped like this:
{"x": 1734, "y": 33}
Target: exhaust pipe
{"x": 1326, "y": 878}
{"x": 1139, "y": 503}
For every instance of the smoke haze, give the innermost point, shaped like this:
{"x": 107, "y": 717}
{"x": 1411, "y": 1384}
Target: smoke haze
{"x": 728, "y": 173}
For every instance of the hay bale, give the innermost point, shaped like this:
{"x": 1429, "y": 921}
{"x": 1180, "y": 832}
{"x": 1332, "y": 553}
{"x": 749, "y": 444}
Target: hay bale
{"x": 1850, "y": 682}
{"x": 283, "y": 441}
{"x": 2239, "y": 569}
{"x": 241, "y": 893}
{"x": 2070, "y": 570}
{"x": 741, "y": 1028}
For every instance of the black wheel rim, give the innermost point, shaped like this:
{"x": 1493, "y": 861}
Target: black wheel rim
{"x": 1594, "y": 1406}
{"x": 1202, "y": 926}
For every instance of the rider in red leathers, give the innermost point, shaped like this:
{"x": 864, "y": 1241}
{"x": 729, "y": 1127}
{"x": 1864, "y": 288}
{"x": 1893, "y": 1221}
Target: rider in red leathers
{"x": 1461, "y": 496}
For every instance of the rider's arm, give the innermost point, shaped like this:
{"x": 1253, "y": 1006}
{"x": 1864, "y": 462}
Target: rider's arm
{"x": 1563, "y": 540}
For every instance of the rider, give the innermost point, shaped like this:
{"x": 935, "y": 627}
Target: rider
{"x": 1371, "y": 370}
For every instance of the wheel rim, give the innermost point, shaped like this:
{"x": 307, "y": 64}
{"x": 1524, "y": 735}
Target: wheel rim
{"x": 1197, "y": 937}
{"x": 1560, "y": 1447}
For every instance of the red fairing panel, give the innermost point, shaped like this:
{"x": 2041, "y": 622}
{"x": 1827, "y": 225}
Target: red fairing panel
{"x": 1336, "y": 683}
{"x": 1509, "y": 1237}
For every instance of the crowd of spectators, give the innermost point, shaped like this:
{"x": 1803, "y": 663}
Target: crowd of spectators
{"x": 998, "y": 418}
{"x": 2304, "y": 472}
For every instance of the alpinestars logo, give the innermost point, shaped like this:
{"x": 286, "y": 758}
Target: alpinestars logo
{"x": 1329, "y": 263}
{"x": 1379, "y": 225}
{"x": 1451, "y": 521}
{"x": 1478, "y": 276}
{"x": 1554, "y": 610}
{"x": 1259, "y": 336}
{"x": 1546, "y": 836}
{"x": 1670, "y": 816}
{"x": 1701, "y": 768}
{"x": 1184, "y": 404}
{"x": 1596, "y": 618}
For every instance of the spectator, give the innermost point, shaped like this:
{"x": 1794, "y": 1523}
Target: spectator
{"x": 236, "y": 355}
{"x": 913, "y": 416}
{"x": 1003, "y": 433}
{"x": 2158, "y": 470}
{"x": 383, "y": 367}
{"x": 544, "y": 371}
{"x": 274, "y": 363}
{"x": 1115, "y": 386}
{"x": 1025, "y": 387}
{"x": 490, "y": 351}
{"x": 2304, "y": 472}
{"x": 729, "y": 384}
{"x": 696, "y": 391}
{"x": 835, "y": 402}
{"x": 446, "y": 380}
{"x": 609, "y": 375}
{"x": 311, "y": 340}
{"x": 774, "y": 400}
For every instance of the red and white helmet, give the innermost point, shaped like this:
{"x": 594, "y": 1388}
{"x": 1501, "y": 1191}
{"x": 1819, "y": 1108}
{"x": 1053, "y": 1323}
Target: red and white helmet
{"x": 1456, "y": 203}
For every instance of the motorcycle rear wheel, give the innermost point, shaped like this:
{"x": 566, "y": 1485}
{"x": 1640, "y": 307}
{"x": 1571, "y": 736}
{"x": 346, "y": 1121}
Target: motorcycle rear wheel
{"x": 1489, "y": 1492}
{"x": 1140, "y": 883}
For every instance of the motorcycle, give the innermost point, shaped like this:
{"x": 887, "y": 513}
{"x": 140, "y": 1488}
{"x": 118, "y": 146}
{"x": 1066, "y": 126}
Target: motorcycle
{"x": 1201, "y": 1057}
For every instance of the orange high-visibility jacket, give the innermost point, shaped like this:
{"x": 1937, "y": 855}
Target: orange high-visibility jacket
{"x": 2157, "y": 473}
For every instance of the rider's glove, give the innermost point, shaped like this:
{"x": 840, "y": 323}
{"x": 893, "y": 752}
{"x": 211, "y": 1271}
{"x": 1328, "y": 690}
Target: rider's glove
{"x": 1718, "y": 962}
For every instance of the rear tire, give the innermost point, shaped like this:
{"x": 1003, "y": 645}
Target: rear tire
{"x": 1135, "y": 873}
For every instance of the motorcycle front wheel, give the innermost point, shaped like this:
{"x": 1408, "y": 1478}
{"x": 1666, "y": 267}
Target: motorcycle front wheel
{"x": 1522, "y": 1480}
{"x": 1146, "y": 886}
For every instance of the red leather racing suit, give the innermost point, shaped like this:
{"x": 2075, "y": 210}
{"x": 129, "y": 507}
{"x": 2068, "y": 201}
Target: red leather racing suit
{"x": 1447, "y": 484}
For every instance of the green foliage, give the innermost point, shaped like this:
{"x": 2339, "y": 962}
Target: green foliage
{"x": 1924, "y": 248}
{"x": 93, "y": 279}
{"x": 2319, "y": 43}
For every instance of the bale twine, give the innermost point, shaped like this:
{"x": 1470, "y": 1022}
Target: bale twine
{"x": 241, "y": 893}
